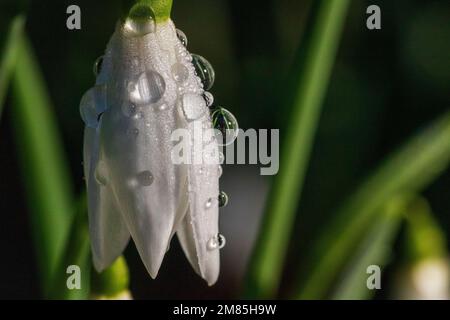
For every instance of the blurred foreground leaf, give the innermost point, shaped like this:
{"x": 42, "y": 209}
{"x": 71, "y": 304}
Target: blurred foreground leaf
{"x": 76, "y": 253}
{"x": 312, "y": 73}
{"x": 374, "y": 249}
{"x": 8, "y": 55}
{"x": 44, "y": 167}
{"x": 407, "y": 171}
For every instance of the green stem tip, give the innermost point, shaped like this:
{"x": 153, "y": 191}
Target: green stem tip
{"x": 138, "y": 9}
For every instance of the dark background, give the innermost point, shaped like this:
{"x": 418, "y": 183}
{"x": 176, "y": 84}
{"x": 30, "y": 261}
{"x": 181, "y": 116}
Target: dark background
{"x": 386, "y": 85}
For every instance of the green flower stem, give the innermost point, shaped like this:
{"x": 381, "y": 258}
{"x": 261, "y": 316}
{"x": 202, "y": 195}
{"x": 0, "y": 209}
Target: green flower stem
{"x": 316, "y": 59}
{"x": 9, "y": 55}
{"x": 112, "y": 282}
{"x": 161, "y": 8}
{"x": 45, "y": 174}
{"x": 409, "y": 170}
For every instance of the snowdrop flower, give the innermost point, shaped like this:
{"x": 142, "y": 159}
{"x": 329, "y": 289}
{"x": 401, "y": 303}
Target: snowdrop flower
{"x": 148, "y": 85}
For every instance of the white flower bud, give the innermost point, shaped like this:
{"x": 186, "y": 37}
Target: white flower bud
{"x": 134, "y": 188}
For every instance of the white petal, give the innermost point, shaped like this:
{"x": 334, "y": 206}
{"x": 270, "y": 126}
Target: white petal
{"x": 200, "y": 225}
{"x": 108, "y": 233}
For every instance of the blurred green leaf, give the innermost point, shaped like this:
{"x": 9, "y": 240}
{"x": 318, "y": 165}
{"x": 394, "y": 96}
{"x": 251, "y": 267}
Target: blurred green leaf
{"x": 77, "y": 252}
{"x": 44, "y": 167}
{"x": 409, "y": 170}
{"x": 9, "y": 55}
{"x": 315, "y": 62}
{"x": 373, "y": 249}
{"x": 113, "y": 281}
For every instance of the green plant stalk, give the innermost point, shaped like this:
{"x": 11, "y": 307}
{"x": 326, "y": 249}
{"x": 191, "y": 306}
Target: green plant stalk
{"x": 45, "y": 174}
{"x": 409, "y": 170}
{"x": 9, "y": 56}
{"x": 76, "y": 253}
{"x": 313, "y": 77}
{"x": 161, "y": 8}
{"x": 112, "y": 282}
{"x": 373, "y": 249}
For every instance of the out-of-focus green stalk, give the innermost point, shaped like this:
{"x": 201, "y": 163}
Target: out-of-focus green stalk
{"x": 9, "y": 56}
{"x": 77, "y": 252}
{"x": 317, "y": 56}
{"x": 409, "y": 170}
{"x": 112, "y": 283}
{"x": 374, "y": 249}
{"x": 45, "y": 174}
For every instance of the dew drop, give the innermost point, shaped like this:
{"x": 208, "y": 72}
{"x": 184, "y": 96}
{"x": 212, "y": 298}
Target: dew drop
{"x": 223, "y": 199}
{"x": 180, "y": 73}
{"x": 224, "y": 121}
{"x": 149, "y": 87}
{"x": 216, "y": 242}
{"x": 221, "y": 157}
{"x": 194, "y": 106}
{"x": 140, "y": 22}
{"x": 129, "y": 109}
{"x": 204, "y": 71}
{"x": 209, "y": 203}
{"x": 145, "y": 178}
{"x": 220, "y": 170}
{"x": 93, "y": 103}
{"x": 98, "y": 65}
{"x": 209, "y": 98}
{"x": 100, "y": 173}
{"x": 162, "y": 107}
{"x": 134, "y": 132}
{"x": 182, "y": 37}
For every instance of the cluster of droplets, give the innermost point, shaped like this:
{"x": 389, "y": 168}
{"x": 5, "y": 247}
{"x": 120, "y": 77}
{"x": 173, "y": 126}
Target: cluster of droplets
{"x": 222, "y": 119}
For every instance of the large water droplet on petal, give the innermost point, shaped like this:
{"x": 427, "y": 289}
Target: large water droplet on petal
{"x": 194, "y": 106}
{"x": 216, "y": 242}
{"x": 101, "y": 173}
{"x": 223, "y": 199}
{"x": 93, "y": 103}
{"x": 209, "y": 98}
{"x": 98, "y": 65}
{"x": 145, "y": 178}
{"x": 182, "y": 37}
{"x": 149, "y": 87}
{"x": 224, "y": 121}
{"x": 140, "y": 22}
{"x": 220, "y": 170}
{"x": 204, "y": 70}
{"x": 180, "y": 73}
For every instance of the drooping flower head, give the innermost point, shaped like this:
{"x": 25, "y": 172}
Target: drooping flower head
{"x": 149, "y": 86}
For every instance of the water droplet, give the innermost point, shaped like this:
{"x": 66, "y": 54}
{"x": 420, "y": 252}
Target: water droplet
{"x": 162, "y": 107}
{"x": 194, "y": 106}
{"x": 145, "y": 178}
{"x": 180, "y": 73}
{"x": 204, "y": 71}
{"x": 220, "y": 171}
{"x": 129, "y": 109}
{"x": 92, "y": 104}
{"x": 140, "y": 22}
{"x": 209, "y": 203}
{"x": 209, "y": 98}
{"x": 134, "y": 132}
{"x": 216, "y": 242}
{"x": 221, "y": 157}
{"x": 223, "y": 199}
{"x": 98, "y": 65}
{"x": 224, "y": 121}
{"x": 100, "y": 173}
{"x": 148, "y": 88}
{"x": 182, "y": 37}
